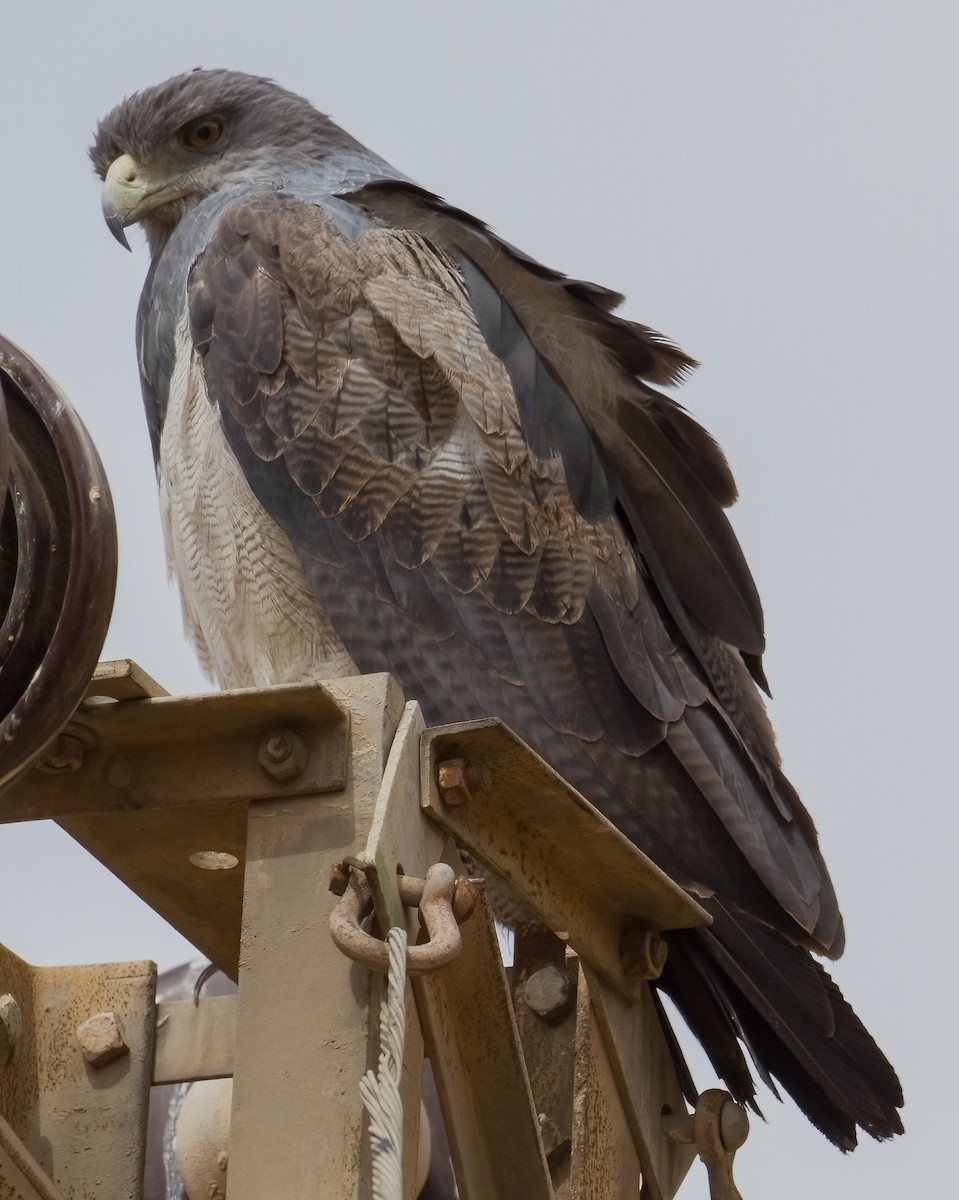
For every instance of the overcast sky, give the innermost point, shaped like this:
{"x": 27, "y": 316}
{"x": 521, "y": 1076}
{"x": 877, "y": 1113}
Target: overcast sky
{"x": 772, "y": 185}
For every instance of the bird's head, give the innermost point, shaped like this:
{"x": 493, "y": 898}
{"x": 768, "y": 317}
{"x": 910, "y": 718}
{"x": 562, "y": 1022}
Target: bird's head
{"x": 165, "y": 149}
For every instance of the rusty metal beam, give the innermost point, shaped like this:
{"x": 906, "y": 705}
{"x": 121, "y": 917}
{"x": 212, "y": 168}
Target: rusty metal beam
{"x": 477, "y": 1059}
{"x": 195, "y": 1041}
{"x": 528, "y": 826}
{"x": 543, "y": 979}
{"x": 641, "y": 1068}
{"x": 172, "y": 751}
{"x": 605, "y": 1162}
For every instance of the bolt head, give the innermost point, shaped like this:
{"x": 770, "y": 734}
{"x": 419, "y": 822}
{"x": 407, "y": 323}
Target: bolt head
{"x": 101, "y": 1039}
{"x": 549, "y": 993}
{"x": 453, "y": 782}
{"x": 283, "y": 755}
{"x": 644, "y": 953}
{"x": 11, "y": 1026}
{"x": 65, "y": 755}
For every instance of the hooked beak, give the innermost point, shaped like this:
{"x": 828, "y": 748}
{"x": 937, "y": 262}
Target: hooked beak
{"x": 121, "y": 196}
{"x": 114, "y": 222}
{"x": 129, "y": 195}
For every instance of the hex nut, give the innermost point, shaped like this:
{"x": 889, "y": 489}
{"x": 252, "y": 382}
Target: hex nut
{"x": 644, "y": 953}
{"x": 283, "y": 755}
{"x": 101, "y": 1039}
{"x": 11, "y": 1026}
{"x": 549, "y": 993}
{"x": 66, "y": 754}
{"x": 457, "y": 779}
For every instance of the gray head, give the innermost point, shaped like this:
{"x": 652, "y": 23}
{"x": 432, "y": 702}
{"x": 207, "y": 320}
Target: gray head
{"x": 164, "y": 149}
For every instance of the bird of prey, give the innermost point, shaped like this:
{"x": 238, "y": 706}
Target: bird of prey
{"x": 387, "y": 440}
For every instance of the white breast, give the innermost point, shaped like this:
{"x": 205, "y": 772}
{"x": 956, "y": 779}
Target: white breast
{"x": 246, "y": 603}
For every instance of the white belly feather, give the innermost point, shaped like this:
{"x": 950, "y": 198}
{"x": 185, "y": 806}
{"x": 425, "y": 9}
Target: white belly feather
{"x": 246, "y": 603}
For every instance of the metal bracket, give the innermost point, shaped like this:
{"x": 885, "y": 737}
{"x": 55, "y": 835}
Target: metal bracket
{"x": 525, "y": 823}
{"x": 717, "y": 1128}
{"x": 75, "y": 1099}
{"x": 159, "y": 787}
{"x": 216, "y": 810}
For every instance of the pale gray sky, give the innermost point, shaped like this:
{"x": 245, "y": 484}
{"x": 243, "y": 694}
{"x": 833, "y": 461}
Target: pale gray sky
{"x": 774, "y": 186}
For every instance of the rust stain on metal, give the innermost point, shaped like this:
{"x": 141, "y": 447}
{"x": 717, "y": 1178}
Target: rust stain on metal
{"x": 451, "y": 780}
{"x": 643, "y": 1072}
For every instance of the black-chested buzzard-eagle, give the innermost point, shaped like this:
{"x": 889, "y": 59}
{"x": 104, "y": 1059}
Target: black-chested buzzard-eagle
{"x": 388, "y": 441}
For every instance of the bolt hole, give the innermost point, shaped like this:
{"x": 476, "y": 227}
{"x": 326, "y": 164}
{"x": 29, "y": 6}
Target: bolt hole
{"x": 214, "y": 860}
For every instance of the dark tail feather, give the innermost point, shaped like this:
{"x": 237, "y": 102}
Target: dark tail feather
{"x": 697, "y": 989}
{"x": 681, "y": 1067}
{"x": 739, "y": 982}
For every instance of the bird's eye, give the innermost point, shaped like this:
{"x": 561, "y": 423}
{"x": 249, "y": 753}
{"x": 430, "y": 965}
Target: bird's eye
{"x": 201, "y": 133}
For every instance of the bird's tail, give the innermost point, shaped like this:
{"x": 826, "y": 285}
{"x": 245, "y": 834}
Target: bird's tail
{"x": 739, "y": 984}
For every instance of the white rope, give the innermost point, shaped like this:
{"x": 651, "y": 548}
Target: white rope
{"x": 381, "y": 1091}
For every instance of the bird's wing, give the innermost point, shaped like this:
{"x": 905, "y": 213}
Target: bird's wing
{"x": 568, "y": 352}
{"x": 451, "y": 505}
